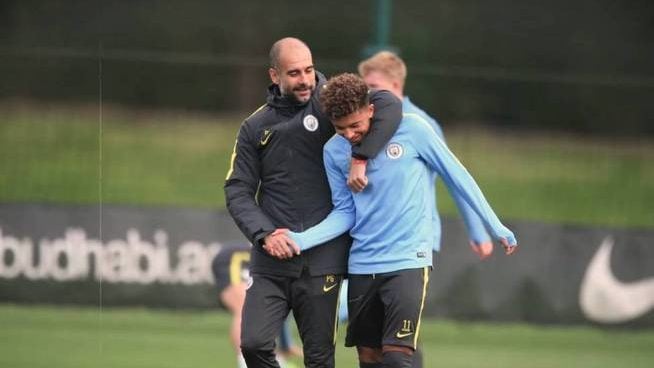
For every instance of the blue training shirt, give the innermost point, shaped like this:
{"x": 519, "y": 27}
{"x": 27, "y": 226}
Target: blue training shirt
{"x": 390, "y": 221}
{"x": 473, "y": 223}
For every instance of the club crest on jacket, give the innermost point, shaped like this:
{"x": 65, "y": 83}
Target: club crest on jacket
{"x": 394, "y": 151}
{"x": 310, "y": 123}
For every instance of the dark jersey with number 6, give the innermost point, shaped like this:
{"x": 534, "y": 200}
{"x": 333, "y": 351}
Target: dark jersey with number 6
{"x": 231, "y": 266}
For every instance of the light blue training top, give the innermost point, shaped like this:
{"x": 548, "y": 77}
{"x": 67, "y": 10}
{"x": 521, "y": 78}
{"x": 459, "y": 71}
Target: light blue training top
{"x": 391, "y": 220}
{"x": 473, "y": 223}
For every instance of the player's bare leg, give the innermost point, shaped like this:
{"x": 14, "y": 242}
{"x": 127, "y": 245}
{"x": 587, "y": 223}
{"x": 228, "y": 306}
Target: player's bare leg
{"x": 369, "y": 357}
{"x": 233, "y": 298}
{"x": 397, "y": 356}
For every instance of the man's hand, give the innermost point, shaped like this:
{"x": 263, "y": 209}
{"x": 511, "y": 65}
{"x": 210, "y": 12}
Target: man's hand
{"x": 357, "y": 180}
{"x": 278, "y": 244}
{"x": 483, "y": 249}
{"x": 294, "y": 248}
{"x": 508, "y": 249}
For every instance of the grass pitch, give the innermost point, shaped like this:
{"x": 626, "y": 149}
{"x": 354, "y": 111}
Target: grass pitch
{"x": 52, "y": 337}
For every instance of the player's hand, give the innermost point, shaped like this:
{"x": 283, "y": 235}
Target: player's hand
{"x": 508, "y": 249}
{"x": 290, "y": 243}
{"x": 357, "y": 180}
{"x": 275, "y": 245}
{"x": 483, "y": 249}
{"x": 278, "y": 244}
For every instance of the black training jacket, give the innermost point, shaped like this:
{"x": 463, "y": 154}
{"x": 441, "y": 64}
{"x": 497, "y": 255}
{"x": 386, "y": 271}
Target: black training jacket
{"x": 277, "y": 178}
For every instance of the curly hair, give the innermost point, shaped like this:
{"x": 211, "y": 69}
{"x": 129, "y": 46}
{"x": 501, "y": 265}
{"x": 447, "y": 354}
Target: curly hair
{"x": 343, "y": 95}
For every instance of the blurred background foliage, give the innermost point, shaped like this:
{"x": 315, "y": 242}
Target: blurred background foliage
{"x": 583, "y": 65}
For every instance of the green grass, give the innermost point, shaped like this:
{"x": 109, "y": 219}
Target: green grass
{"x": 70, "y": 155}
{"x": 52, "y": 337}
{"x": 67, "y": 156}
{"x": 561, "y": 178}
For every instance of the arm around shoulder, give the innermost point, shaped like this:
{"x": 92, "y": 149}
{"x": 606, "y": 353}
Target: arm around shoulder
{"x": 384, "y": 124}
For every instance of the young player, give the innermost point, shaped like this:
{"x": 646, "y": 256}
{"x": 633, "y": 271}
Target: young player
{"x": 390, "y": 222}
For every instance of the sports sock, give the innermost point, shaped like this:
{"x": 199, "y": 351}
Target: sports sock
{"x": 240, "y": 361}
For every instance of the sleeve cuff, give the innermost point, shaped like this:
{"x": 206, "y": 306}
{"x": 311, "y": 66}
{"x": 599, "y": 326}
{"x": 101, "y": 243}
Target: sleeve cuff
{"x": 297, "y": 238}
{"x": 259, "y": 237}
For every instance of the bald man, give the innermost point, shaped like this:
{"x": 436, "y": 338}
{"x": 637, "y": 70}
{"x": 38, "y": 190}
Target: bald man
{"x": 277, "y": 180}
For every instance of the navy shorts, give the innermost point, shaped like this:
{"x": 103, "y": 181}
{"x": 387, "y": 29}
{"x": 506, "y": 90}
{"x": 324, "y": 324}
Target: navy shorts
{"x": 385, "y": 309}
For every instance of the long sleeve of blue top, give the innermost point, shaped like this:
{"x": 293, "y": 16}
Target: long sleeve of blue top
{"x": 462, "y": 185}
{"x": 342, "y": 217}
{"x": 474, "y": 225}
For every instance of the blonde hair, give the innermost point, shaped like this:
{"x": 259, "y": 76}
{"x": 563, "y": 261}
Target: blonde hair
{"x": 386, "y": 63}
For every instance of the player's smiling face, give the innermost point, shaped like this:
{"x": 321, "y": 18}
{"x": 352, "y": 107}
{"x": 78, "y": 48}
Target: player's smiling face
{"x": 355, "y": 126}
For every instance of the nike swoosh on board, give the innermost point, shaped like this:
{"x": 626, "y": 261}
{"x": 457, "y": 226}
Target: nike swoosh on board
{"x": 603, "y": 298}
